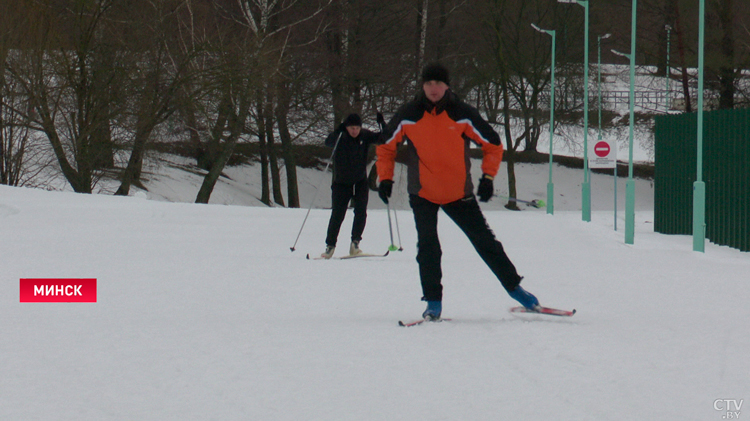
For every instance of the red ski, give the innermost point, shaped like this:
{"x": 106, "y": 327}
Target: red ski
{"x": 544, "y": 310}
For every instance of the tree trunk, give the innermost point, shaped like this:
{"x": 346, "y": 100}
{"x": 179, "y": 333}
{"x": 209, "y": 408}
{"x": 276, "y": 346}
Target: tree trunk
{"x": 213, "y": 148}
{"x": 510, "y": 150}
{"x": 265, "y": 195}
{"x": 282, "y": 111}
{"x": 234, "y": 123}
{"x": 278, "y": 198}
{"x": 186, "y": 110}
{"x": 132, "y": 173}
{"x": 422, "y": 7}
{"x": 442, "y": 22}
{"x": 149, "y": 115}
{"x": 683, "y": 64}
{"x": 336, "y": 66}
{"x": 70, "y": 173}
{"x": 102, "y": 148}
{"x": 529, "y": 146}
{"x": 726, "y": 68}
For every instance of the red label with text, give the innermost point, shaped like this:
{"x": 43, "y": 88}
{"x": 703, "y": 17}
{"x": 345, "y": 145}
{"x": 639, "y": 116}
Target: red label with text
{"x": 58, "y": 290}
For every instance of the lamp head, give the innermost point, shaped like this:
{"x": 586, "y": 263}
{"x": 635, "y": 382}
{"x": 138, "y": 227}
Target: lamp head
{"x": 544, "y": 31}
{"x": 605, "y": 36}
{"x": 615, "y": 52}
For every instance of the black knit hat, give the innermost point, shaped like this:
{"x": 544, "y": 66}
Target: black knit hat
{"x": 353, "y": 120}
{"x": 436, "y": 71}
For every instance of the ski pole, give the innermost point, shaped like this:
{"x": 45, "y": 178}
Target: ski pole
{"x": 395, "y": 215}
{"x": 292, "y": 248}
{"x": 534, "y": 203}
{"x": 392, "y": 247}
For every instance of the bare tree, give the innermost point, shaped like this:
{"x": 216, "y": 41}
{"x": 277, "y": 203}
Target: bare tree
{"x": 493, "y": 80}
{"x": 726, "y": 72}
{"x": 19, "y": 158}
{"x": 260, "y": 44}
{"x": 158, "y": 74}
{"x": 283, "y": 105}
{"x": 72, "y": 77}
{"x": 422, "y": 20}
{"x": 511, "y": 72}
{"x": 13, "y": 136}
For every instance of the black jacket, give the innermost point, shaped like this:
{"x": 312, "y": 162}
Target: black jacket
{"x": 350, "y": 157}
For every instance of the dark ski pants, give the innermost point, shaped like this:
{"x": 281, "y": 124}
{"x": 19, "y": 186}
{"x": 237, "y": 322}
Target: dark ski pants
{"x": 341, "y": 195}
{"x": 468, "y": 216}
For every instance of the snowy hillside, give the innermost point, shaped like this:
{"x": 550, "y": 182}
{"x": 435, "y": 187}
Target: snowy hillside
{"x": 167, "y": 180}
{"x": 204, "y": 313}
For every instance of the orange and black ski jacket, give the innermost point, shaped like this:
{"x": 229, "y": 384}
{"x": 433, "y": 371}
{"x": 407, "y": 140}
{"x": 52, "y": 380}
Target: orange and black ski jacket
{"x": 438, "y": 138}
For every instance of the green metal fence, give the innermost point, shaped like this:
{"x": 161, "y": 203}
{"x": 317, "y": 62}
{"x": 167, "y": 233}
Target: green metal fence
{"x": 726, "y": 172}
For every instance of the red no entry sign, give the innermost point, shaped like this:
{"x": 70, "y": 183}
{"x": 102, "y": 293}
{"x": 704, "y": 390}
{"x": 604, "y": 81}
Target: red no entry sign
{"x": 601, "y": 149}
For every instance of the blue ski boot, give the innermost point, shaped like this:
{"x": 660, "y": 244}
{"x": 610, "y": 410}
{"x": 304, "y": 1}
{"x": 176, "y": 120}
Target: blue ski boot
{"x": 524, "y": 297}
{"x": 434, "y": 308}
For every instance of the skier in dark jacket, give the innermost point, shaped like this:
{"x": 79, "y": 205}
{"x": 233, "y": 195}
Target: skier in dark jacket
{"x": 349, "y": 180}
{"x": 439, "y": 129}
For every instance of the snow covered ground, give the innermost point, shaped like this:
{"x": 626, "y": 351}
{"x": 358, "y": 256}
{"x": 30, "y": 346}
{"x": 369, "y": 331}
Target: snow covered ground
{"x": 204, "y": 313}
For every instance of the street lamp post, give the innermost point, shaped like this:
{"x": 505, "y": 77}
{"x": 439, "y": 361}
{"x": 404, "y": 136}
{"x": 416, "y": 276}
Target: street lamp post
{"x": 630, "y": 184}
{"x": 550, "y": 184}
{"x": 699, "y": 187}
{"x": 668, "y": 73}
{"x": 599, "y": 77}
{"x": 586, "y": 185}
{"x": 599, "y": 85}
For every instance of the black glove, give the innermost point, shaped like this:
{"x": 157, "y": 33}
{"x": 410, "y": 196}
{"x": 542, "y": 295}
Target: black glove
{"x": 381, "y": 121}
{"x": 485, "y": 189}
{"x": 385, "y": 189}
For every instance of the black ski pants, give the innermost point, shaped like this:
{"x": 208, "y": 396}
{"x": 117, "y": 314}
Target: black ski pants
{"x": 341, "y": 195}
{"x": 468, "y": 216}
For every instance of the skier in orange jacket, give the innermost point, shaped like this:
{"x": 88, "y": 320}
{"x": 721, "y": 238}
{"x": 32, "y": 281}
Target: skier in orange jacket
{"x": 438, "y": 129}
